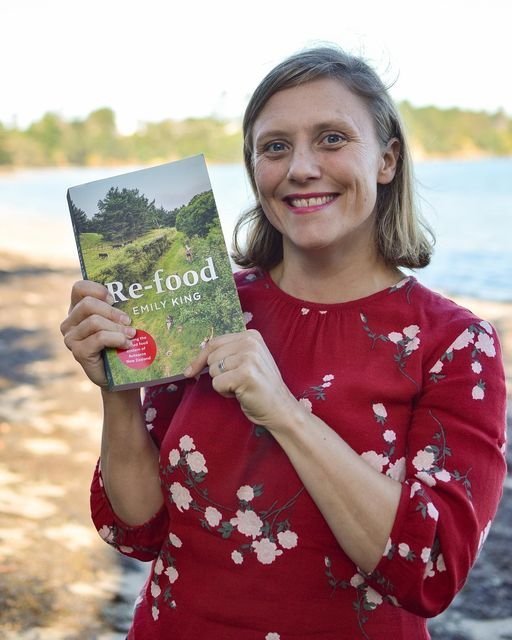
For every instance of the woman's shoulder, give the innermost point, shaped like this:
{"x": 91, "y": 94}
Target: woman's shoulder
{"x": 451, "y": 325}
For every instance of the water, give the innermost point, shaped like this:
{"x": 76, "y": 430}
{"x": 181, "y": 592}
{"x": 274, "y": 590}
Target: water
{"x": 468, "y": 203}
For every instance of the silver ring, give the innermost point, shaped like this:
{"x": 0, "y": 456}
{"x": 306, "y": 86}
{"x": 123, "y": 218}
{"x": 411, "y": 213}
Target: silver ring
{"x": 221, "y": 365}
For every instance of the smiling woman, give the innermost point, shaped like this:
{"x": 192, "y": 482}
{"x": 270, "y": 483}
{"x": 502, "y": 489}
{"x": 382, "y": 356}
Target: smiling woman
{"x": 335, "y": 470}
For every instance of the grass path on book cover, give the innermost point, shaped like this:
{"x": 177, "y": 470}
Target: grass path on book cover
{"x": 178, "y": 328}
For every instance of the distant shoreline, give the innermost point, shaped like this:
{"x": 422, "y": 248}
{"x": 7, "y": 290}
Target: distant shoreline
{"x": 417, "y": 156}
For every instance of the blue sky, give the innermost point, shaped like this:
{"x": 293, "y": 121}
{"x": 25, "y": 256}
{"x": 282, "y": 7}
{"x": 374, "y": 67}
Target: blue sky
{"x": 157, "y": 59}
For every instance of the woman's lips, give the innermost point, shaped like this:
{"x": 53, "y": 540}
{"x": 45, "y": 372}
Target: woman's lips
{"x": 309, "y": 202}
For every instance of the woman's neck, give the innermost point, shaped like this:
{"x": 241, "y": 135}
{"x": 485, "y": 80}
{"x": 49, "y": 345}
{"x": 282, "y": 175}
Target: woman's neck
{"x": 318, "y": 281}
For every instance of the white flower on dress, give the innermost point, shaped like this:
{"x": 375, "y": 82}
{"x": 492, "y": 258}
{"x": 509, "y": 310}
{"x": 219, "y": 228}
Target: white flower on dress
{"x": 196, "y": 462}
{"x": 172, "y": 387}
{"x": 155, "y": 590}
{"x": 248, "y": 523}
{"x": 187, "y": 443}
{"x": 272, "y": 636}
{"x": 478, "y": 392}
{"x": 476, "y": 367}
{"x": 180, "y": 496}
{"x": 306, "y": 403}
{"x": 213, "y": 516}
{"x": 411, "y": 331}
{"x": 107, "y": 533}
{"x": 237, "y": 557}
{"x": 172, "y": 574}
{"x": 389, "y": 435}
{"x": 328, "y": 377}
{"x": 124, "y": 549}
{"x": 437, "y": 368}
{"x": 396, "y": 470}
{"x": 426, "y": 478}
{"x": 356, "y": 580}
{"x": 443, "y": 476}
{"x": 159, "y": 566}
{"x": 380, "y": 410}
{"x": 246, "y": 493}
{"x": 395, "y": 337}
{"x": 155, "y": 612}
{"x": 415, "y": 487}
{"x": 485, "y": 325}
{"x": 432, "y": 511}
{"x": 175, "y": 541}
{"x": 150, "y": 426}
{"x": 404, "y": 549}
{"x": 429, "y": 570}
{"x": 266, "y": 551}
{"x": 326, "y": 385}
{"x": 372, "y": 596}
{"x": 174, "y": 457}
{"x": 304, "y": 311}
{"x": 423, "y": 460}
{"x": 440, "y": 564}
{"x": 376, "y": 460}
{"x": 247, "y": 316}
{"x": 425, "y": 554}
{"x": 412, "y": 345}
{"x": 389, "y": 544}
{"x": 465, "y": 338}
{"x": 287, "y": 539}
{"x": 150, "y": 414}
{"x": 486, "y": 344}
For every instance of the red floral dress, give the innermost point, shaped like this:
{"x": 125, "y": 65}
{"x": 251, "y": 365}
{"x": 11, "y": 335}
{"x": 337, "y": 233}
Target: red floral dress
{"x": 414, "y": 384}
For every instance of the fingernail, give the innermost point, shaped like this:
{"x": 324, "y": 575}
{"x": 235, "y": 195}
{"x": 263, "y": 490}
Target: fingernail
{"x": 188, "y": 371}
{"x": 130, "y": 331}
{"x": 110, "y": 299}
{"x": 125, "y": 319}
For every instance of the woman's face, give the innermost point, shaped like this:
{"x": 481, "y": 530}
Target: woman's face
{"x": 317, "y": 163}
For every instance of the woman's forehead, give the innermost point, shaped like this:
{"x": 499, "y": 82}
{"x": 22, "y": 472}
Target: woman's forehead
{"x": 313, "y": 103}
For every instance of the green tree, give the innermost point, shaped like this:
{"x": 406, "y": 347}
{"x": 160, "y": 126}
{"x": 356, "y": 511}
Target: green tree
{"x": 81, "y": 222}
{"x": 123, "y": 215}
{"x": 198, "y": 216}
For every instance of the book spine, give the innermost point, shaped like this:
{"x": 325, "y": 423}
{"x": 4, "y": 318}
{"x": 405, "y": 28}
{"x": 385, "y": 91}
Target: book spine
{"x": 77, "y": 237}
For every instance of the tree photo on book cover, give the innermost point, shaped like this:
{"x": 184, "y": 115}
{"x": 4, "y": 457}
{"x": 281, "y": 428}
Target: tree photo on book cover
{"x": 183, "y": 294}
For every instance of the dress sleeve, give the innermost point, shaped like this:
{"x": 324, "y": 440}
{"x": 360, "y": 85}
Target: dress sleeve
{"x": 455, "y": 469}
{"x": 145, "y": 540}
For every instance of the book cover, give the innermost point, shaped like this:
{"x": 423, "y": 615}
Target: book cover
{"x": 153, "y": 237}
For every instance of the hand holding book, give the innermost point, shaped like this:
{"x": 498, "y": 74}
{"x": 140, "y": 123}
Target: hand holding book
{"x": 93, "y": 325}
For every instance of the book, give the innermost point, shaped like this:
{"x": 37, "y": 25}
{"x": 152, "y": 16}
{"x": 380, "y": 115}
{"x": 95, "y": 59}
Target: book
{"x": 153, "y": 237}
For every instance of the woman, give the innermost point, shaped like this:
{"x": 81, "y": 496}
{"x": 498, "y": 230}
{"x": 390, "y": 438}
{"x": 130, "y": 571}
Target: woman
{"x": 336, "y": 473}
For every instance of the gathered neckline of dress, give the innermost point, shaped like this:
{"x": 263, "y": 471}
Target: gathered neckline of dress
{"x": 333, "y": 306}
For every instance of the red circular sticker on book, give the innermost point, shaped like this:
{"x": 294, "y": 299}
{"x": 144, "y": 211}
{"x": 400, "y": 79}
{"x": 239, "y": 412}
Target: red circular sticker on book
{"x": 142, "y": 352}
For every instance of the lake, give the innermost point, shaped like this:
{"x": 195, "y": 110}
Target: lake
{"x": 468, "y": 203}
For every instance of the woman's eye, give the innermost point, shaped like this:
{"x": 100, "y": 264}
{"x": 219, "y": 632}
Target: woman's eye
{"x": 275, "y": 147}
{"x": 334, "y": 138}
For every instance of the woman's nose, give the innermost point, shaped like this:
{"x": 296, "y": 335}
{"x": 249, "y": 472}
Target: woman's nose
{"x": 303, "y": 166}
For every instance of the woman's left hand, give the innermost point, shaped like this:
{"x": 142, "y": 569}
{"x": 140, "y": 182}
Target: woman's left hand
{"x": 241, "y": 366}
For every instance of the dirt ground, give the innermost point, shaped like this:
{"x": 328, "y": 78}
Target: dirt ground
{"x": 58, "y": 580}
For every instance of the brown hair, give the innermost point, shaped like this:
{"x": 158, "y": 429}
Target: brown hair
{"x": 403, "y": 237}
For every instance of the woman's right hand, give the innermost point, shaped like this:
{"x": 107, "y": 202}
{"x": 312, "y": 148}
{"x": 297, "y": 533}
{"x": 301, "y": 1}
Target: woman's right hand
{"x": 93, "y": 324}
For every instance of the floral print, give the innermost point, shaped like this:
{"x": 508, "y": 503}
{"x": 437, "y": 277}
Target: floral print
{"x": 406, "y": 341}
{"x": 268, "y": 536}
{"x": 403, "y": 376}
{"x": 480, "y": 337}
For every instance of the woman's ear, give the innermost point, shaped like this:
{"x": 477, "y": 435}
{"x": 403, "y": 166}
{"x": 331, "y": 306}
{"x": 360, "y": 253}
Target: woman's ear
{"x": 389, "y": 161}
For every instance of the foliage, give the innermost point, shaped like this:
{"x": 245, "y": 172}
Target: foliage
{"x": 95, "y": 140}
{"x": 196, "y": 218}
